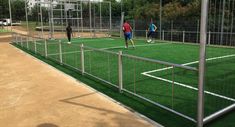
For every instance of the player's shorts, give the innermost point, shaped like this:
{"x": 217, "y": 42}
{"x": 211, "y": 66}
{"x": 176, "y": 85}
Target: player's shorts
{"x": 68, "y": 33}
{"x": 127, "y": 35}
{"x": 151, "y": 33}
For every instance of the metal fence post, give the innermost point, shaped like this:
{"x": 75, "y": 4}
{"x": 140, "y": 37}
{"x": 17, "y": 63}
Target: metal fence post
{"x": 90, "y": 17}
{"x": 160, "y": 20}
{"x": 121, "y": 24}
{"x": 202, "y": 62}
{"x": 27, "y": 43}
{"x": 60, "y": 52}
{"x": 163, "y": 35}
{"x": 12, "y": 36}
{"x": 21, "y": 41}
{"x": 110, "y": 18}
{"x": 133, "y": 33}
{"x": 45, "y": 42}
{"x": 16, "y": 39}
{"x": 94, "y": 22}
{"x": 183, "y": 36}
{"x": 35, "y": 46}
{"x": 81, "y": 12}
{"x": 82, "y": 59}
{"x": 9, "y": 5}
{"x": 198, "y": 28}
{"x": 209, "y": 38}
{"x": 100, "y": 16}
{"x": 120, "y": 71}
{"x": 172, "y": 30}
{"x": 26, "y": 16}
{"x": 222, "y": 23}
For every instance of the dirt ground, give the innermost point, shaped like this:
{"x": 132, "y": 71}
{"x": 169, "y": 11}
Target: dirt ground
{"x": 5, "y": 38}
{"x": 33, "y": 94}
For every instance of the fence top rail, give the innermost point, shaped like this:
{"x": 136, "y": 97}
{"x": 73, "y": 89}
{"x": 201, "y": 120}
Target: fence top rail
{"x": 92, "y": 1}
{"x": 100, "y": 50}
{"x": 145, "y": 59}
{"x": 178, "y": 31}
{"x": 66, "y": 18}
{"x": 161, "y": 62}
{"x": 25, "y": 35}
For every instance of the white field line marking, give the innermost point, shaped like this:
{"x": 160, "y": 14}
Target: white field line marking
{"x": 145, "y": 45}
{"x": 190, "y": 87}
{"x": 39, "y": 43}
{"x": 92, "y": 40}
{"x": 72, "y": 52}
{"x": 190, "y": 63}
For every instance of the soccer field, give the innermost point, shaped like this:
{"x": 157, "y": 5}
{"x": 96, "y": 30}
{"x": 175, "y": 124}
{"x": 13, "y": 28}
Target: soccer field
{"x": 163, "y": 72}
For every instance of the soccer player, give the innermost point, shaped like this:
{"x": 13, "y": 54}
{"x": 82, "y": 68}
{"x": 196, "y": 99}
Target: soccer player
{"x": 69, "y": 33}
{"x": 127, "y": 33}
{"x": 151, "y": 30}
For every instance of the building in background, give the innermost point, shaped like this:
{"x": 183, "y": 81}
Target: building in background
{"x": 32, "y": 3}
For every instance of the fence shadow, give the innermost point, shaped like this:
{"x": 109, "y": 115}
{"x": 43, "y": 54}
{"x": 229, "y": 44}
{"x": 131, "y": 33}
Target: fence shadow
{"x": 47, "y": 125}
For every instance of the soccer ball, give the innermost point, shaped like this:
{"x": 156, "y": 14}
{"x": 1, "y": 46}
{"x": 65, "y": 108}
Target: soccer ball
{"x": 149, "y": 40}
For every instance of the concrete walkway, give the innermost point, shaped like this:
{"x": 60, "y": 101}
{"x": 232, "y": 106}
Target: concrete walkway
{"x": 33, "y": 94}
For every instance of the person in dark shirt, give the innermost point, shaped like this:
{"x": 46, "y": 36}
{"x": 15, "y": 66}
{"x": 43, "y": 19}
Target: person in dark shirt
{"x": 69, "y": 33}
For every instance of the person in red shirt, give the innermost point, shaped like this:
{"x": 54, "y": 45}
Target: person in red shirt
{"x": 127, "y": 33}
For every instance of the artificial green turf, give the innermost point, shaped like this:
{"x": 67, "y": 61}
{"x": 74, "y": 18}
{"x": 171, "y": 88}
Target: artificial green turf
{"x": 181, "y": 99}
{"x": 4, "y": 30}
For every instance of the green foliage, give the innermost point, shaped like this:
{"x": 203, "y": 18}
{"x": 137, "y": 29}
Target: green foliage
{"x": 4, "y": 11}
{"x": 18, "y": 9}
{"x": 171, "y": 9}
{"x": 147, "y": 11}
{"x": 35, "y": 14}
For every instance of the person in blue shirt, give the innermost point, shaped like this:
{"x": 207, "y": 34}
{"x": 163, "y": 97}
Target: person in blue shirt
{"x": 151, "y": 30}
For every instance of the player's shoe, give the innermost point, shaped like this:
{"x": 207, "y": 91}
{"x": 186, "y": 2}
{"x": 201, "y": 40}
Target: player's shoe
{"x": 69, "y": 42}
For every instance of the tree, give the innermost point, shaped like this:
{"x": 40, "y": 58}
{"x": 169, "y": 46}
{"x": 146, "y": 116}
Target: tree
{"x": 4, "y": 9}
{"x": 18, "y": 9}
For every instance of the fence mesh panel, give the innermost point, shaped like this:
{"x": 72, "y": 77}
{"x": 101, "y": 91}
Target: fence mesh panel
{"x": 101, "y": 64}
{"x": 71, "y": 55}
{"x": 168, "y": 86}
